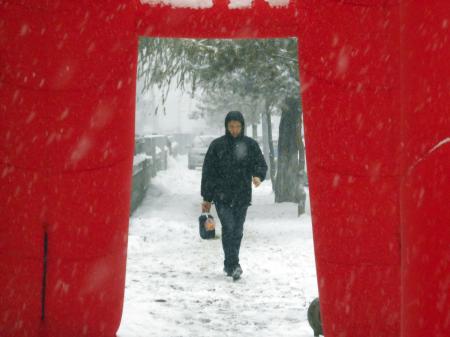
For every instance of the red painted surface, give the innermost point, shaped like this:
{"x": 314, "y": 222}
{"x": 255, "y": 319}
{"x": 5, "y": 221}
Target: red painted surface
{"x": 67, "y": 92}
{"x": 426, "y": 185}
{"x": 349, "y": 62}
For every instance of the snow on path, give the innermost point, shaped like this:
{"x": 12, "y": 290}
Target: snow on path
{"x": 175, "y": 285}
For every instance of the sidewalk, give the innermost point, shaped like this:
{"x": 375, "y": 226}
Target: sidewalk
{"x": 175, "y": 285}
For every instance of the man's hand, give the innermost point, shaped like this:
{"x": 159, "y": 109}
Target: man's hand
{"x": 206, "y": 207}
{"x": 256, "y": 181}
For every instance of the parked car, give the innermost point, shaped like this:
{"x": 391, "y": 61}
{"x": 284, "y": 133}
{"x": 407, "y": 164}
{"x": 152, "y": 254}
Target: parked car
{"x": 197, "y": 151}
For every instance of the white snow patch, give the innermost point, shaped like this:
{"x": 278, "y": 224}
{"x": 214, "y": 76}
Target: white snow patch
{"x": 234, "y": 4}
{"x": 278, "y": 3}
{"x": 139, "y": 158}
{"x": 175, "y": 285}
{"x": 201, "y": 4}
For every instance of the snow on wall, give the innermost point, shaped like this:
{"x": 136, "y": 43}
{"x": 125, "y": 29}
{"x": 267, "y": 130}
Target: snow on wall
{"x": 199, "y": 4}
{"x": 278, "y": 3}
{"x": 240, "y": 4}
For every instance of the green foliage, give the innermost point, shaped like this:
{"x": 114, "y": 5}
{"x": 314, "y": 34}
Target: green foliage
{"x": 220, "y": 70}
{"x": 213, "y": 106}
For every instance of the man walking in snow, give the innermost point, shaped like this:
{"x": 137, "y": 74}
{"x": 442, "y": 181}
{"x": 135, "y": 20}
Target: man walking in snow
{"x": 231, "y": 164}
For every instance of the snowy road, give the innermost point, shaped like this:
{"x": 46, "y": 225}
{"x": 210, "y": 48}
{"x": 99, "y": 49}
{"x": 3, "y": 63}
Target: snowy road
{"x": 175, "y": 285}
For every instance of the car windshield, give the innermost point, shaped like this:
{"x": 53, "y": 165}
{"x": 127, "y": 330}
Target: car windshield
{"x": 203, "y": 141}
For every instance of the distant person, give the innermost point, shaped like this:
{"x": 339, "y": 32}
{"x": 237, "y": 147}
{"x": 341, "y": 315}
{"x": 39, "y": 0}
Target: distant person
{"x": 231, "y": 163}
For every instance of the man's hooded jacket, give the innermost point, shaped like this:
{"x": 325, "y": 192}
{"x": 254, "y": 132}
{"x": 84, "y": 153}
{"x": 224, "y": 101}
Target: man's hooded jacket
{"x": 230, "y": 163}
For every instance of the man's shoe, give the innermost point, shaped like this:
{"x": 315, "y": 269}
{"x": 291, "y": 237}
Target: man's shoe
{"x": 228, "y": 271}
{"x": 237, "y": 272}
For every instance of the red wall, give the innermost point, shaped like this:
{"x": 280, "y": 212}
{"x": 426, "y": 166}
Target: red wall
{"x": 349, "y": 61}
{"x": 67, "y": 93}
{"x": 425, "y": 193}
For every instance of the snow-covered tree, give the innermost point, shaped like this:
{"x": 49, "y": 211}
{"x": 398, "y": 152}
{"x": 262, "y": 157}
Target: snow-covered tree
{"x": 260, "y": 74}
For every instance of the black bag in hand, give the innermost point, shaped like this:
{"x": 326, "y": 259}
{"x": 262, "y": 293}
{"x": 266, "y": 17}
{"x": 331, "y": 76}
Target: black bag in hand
{"x": 207, "y": 226}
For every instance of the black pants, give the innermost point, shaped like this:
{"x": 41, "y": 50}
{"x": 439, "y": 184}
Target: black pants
{"x": 232, "y": 220}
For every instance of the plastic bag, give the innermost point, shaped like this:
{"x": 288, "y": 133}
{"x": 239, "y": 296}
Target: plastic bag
{"x": 207, "y": 226}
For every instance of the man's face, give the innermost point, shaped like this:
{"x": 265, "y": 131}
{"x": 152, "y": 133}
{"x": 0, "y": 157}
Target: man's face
{"x": 234, "y": 127}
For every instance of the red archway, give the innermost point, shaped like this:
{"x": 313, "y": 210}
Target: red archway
{"x": 375, "y": 99}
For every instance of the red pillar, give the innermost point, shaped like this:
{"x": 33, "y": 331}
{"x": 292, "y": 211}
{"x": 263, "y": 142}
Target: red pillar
{"x": 426, "y": 186}
{"x": 349, "y": 65}
{"x": 67, "y": 93}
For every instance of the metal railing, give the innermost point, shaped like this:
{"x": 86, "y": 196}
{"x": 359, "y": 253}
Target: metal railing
{"x": 151, "y": 154}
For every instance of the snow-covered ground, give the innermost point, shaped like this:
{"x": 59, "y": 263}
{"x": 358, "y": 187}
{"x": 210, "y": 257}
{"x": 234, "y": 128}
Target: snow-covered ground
{"x": 175, "y": 284}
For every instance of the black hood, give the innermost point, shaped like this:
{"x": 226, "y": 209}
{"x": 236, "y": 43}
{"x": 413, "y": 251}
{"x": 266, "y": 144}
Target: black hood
{"x": 234, "y": 116}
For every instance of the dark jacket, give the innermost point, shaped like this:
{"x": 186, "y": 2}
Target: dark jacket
{"x": 229, "y": 166}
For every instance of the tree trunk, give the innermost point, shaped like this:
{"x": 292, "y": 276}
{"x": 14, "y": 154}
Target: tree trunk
{"x": 265, "y": 135}
{"x": 266, "y": 118}
{"x": 272, "y": 166}
{"x": 301, "y": 197}
{"x": 288, "y": 185}
{"x": 254, "y": 113}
